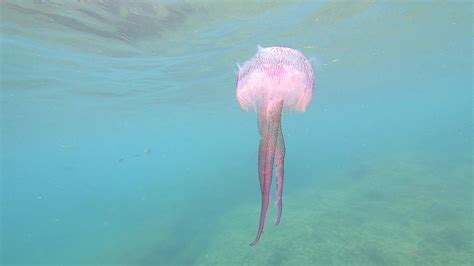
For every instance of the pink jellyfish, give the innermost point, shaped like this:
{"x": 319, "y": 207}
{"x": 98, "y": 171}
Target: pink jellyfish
{"x": 276, "y": 80}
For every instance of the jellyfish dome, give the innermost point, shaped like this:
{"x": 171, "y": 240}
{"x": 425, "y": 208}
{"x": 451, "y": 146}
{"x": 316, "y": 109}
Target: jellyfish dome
{"x": 276, "y": 74}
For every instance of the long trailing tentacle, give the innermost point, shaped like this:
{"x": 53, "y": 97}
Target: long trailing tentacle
{"x": 279, "y": 172}
{"x": 269, "y": 127}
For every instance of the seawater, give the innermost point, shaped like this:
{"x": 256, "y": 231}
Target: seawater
{"x": 122, "y": 141}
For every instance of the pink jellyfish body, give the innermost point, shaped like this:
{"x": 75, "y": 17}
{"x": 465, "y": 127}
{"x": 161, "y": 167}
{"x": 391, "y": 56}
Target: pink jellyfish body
{"x": 275, "y": 80}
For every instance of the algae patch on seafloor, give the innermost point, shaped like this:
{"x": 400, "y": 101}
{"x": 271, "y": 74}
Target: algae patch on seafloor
{"x": 407, "y": 208}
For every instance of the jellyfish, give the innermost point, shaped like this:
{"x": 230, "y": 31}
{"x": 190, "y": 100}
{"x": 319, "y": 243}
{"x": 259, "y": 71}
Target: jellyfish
{"x": 275, "y": 80}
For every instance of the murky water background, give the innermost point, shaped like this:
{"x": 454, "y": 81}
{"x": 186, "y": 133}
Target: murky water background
{"x": 122, "y": 141}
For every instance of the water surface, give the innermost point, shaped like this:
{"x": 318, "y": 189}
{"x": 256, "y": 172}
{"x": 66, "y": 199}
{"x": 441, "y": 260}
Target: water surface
{"x": 122, "y": 141}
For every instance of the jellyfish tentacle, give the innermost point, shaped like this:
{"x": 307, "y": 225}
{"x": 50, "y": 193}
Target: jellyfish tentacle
{"x": 269, "y": 127}
{"x": 279, "y": 172}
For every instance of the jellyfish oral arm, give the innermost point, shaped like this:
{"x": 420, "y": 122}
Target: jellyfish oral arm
{"x": 271, "y": 147}
{"x": 279, "y": 171}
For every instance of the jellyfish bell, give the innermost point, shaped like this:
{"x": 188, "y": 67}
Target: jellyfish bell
{"x": 275, "y": 73}
{"x": 276, "y": 80}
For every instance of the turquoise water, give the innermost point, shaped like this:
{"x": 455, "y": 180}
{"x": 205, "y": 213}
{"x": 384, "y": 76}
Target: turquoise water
{"x": 122, "y": 141}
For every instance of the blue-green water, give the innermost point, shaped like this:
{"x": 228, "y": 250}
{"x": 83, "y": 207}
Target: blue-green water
{"x": 122, "y": 141}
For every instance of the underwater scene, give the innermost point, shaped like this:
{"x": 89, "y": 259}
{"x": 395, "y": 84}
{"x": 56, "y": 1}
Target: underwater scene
{"x": 151, "y": 132}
